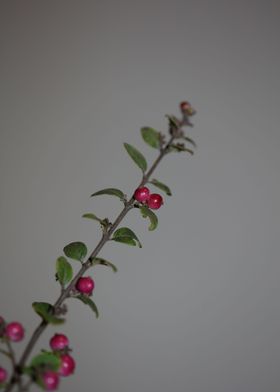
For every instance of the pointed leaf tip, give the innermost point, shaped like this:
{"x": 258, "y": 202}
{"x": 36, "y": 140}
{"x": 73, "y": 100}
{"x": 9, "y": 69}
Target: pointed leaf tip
{"x": 112, "y": 192}
{"x": 161, "y": 186}
{"x": 126, "y": 236}
{"x": 88, "y": 301}
{"x": 146, "y": 212}
{"x": 136, "y": 156}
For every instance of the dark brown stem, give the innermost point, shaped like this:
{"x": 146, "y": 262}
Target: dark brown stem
{"x": 16, "y": 376}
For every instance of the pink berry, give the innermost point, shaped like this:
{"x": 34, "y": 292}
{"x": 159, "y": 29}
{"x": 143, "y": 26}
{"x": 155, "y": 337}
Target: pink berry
{"x": 85, "y": 285}
{"x": 67, "y": 366}
{"x": 155, "y": 201}
{"x": 142, "y": 194}
{"x": 14, "y": 331}
{"x": 50, "y": 380}
{"x": 59, "y": 341}
{"x": 3, "y": 375}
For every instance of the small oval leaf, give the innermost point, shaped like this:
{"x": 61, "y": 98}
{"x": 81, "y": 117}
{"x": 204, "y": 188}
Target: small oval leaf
{"x": 76, "y": 251}
{"x": 161, "y": 186}
{"x": 46, "y": 310}
{"x": 64, "y": 271}
{"x": 92, "y": 216}
{"x": 151, "y": 137}
{"x": 99, "y": 260}
{"x": 136, "y": 156}
{"x": 146, "y": 212}
{"x": 86, "y": 300}
{"x": 112, "y": 192}
{"x": 124, "y": 233}
{"x": 46, "y": 360}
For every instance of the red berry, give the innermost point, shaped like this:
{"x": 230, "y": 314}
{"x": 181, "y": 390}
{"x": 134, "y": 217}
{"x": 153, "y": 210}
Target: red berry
{"x": 50, "y": 380}
{"x": 155, "y": 201}
{"x": 14, "y": 331}
{"x": 59, "y": 341}
{"x": 67, "y": 366}
{"x": 3, "y": 375}
{"x": 187, "y": 108}
{"x": 85, "y": 285}
{"x": 142, "y": 194}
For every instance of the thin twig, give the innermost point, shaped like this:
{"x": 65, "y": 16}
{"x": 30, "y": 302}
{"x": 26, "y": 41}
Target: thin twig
{"x": 16, "y": 376}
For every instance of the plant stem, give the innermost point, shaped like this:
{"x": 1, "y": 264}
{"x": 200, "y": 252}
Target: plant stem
{"x": 16, "y": 376}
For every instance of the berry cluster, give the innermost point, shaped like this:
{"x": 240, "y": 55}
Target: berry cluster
{"x": 143, "y": 195}
{"x": 59, "y": 343}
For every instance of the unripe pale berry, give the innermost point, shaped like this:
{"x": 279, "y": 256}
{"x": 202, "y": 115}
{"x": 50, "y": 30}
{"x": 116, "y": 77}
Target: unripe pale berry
{"x": 50, "y": 380}
{"x": 3, "y": 375}
{"x": 14, "y": 331}
{"x": 59, "y": 341}
{"x": 155, "y": 201}
{"x": 142, "y": 194}
{"x": 85, "y": 285}
{"x": 67, "y": 366}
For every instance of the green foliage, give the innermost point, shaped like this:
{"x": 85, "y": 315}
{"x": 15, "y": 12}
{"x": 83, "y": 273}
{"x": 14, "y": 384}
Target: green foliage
{"x": 112, "y": 192}
{"x": 45, "y": 360}
{"x": 87, "y": 301}
{"x": 100, "y": 261}
{"x": 146, "y": 212}
{"x": 64, "y": 271}
{"x": 137, "y": 157}
{"x": 161, "y": 186}
{"x": 92, "y": 216}
{"x": 126, "y": 236}
{"x": 46, "y": 311}
{"x": 151, "y": 137}
{"x": 76, "y": 251}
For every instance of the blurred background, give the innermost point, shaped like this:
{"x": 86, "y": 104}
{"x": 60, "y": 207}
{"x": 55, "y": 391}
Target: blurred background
{"x": 197, "y": 309}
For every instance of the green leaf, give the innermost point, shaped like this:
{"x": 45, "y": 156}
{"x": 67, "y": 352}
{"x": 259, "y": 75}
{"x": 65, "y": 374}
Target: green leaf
{"x": 99, "y": 260}
{"x": 86, "y": 300}
{"x": 127, "y": 236}
{"x": 137, "y": 157}
{"x": 64, "y": 271}
{"x": 76, "y": 251}
{"x": 161, "y": 186}
{"x": 92, "y": 216}
{"x": 47, "y": 360}
{"x": 111, "y": 192}
{"x": 46, "y": 310}
{"x": 151, "y": 137}
{"x": 126, "y": 240}
{"x": 146, "y": 212}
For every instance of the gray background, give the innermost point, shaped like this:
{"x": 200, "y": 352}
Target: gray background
{"x": 197, "y": 309}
